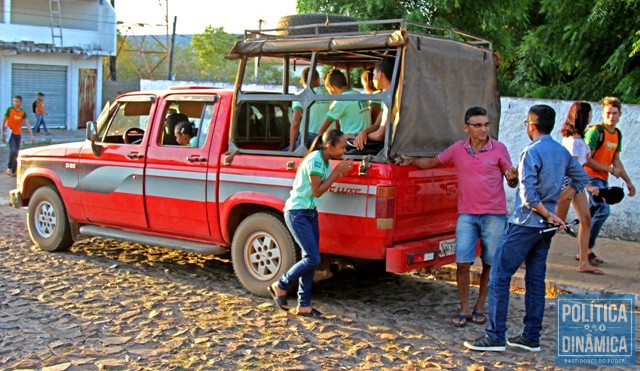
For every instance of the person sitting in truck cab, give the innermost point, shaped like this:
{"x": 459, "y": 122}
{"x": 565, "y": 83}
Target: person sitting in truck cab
{"x": 185, "y": 134}
{"x": 170, "y": 124}
{"x": 353, "y": 116}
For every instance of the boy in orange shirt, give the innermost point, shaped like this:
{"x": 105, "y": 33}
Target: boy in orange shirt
{"x": 604, "y": 159}
{"x": 14, "y": 118}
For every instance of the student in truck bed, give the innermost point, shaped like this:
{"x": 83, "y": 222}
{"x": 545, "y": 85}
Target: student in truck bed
{"x": 353, "y": 115}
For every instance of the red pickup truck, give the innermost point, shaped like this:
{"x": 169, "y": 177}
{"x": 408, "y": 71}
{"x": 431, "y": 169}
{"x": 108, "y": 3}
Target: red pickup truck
{"x": 225, "y": 191}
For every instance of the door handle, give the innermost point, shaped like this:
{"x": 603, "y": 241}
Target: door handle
{"x": 196, "y": 159}
{"x": 135, "y": 155}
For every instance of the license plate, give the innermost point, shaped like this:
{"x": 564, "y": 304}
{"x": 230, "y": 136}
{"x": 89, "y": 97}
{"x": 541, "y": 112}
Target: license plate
{"x": 447, "y": 247}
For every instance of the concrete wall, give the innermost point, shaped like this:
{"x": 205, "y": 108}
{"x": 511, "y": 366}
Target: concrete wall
{"x": 623, "y": 223}
{"x": 87, "y": 25}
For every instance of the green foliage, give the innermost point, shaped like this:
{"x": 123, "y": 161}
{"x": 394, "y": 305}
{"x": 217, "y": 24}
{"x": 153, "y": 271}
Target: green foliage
{"x": 210, "y": 48}
{"x": 580, "y": 49}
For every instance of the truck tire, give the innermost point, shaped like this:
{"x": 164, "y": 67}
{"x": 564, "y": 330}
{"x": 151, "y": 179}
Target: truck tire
{"x": 313, "y": 18}
{"x": 47, "y": 220}
{"x": 262, "y": 251}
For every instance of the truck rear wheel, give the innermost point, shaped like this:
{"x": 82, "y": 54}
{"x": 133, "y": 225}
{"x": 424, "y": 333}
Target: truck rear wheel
{"x": 47, "y": 220}
{"x": 262, "y": 250}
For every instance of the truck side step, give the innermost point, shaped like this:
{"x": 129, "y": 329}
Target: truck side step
{"x": 146, "y": 239}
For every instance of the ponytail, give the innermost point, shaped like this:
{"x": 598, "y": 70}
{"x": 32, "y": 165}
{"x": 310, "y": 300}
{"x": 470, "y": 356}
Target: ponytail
{"x": 321, "y": 141}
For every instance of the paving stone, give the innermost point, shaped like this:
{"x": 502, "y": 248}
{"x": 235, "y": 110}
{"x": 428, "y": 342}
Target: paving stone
{"x": 164, "y": 309}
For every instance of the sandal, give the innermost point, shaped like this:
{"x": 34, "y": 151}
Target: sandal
{"x": 479, "y": 318}
{"x": 460, "y": 320}
{"x": 314, "y": 313}
{"x": 280, "y": 301}
{"x": 595, "y": 259}
{"x": 592, "y": 271}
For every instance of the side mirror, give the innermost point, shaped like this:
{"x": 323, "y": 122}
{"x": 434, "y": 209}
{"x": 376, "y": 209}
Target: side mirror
{"x": 92, "y": 136}
{"x": 91, "y": 131}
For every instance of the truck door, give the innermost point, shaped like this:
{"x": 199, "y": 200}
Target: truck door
{"x": 176, "y": 175}
{"x": 110, "y": 182}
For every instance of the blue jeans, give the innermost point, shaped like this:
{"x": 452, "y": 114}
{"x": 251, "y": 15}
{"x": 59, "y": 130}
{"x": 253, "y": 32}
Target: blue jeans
{"x": 487, "y": 227}
{"x": 312, "y": 137}
{"x": 14, "y": 147}
{"x": 303, "y": 225}
{"x": 40, "y": 121}
{"x": 599, "y": 211}
{"x": 518, "y": 244}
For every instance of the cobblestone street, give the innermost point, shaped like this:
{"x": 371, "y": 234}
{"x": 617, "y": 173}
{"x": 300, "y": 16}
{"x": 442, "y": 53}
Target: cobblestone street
{"x": 117, "y": 305}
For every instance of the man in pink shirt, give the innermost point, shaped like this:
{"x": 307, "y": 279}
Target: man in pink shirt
{"x": 480, "y": 162}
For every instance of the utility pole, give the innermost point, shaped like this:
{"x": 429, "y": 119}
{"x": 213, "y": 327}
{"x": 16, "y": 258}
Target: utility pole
{"x": 173, "y": 41}
{"x": 112, "y": 58}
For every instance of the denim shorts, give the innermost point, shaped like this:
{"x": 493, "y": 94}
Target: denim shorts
{"x": 486, "y": 227}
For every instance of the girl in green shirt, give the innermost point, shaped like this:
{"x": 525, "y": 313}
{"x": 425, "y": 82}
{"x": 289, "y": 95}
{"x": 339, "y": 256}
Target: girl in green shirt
{"x": 313, "y": 178}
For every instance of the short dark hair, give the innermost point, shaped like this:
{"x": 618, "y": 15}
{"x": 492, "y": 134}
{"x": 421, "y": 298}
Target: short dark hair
{"x": 336, "y": 78}
{"x": 40, "y": 95}
{"x": 185, "y": 127}
{"x": 612, "y": 101}
{"x": 543, "y": 116}
{"x": 18, "y": 97}
{"x": 385, "y": 66}
{"x": 474, "y": 111}
{"x": 305, "y": 74}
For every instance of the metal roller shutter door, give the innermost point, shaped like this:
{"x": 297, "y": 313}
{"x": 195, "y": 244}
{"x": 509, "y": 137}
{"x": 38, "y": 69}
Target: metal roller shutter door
{"x": 29, "y": 79}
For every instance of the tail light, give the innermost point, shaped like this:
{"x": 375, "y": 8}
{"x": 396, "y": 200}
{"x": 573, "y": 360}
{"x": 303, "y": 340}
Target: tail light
{"x": 385, "y": 207}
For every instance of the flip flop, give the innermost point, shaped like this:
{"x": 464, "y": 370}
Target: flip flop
{"x": 314, "y": 313}
{"x": 280, "y": 301}
{"x": 461, "y": 320}
{"x": 595, "y": 258}
{"x": 593, "y": 271}
{"x": 476, "y": 315}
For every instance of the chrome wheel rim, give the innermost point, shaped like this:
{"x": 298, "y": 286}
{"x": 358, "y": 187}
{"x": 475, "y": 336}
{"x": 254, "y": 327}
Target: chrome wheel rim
{"x": 262, "y": 256}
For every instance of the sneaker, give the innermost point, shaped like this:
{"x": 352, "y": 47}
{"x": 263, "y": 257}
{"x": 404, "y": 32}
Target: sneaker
{"x": 485, "y": 343}
{"x": 521, "y": 342}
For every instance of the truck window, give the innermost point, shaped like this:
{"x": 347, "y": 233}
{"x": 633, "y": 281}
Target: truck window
{"x": 198, "y": 113}
{"x": 129, "y": 117}
{"x": 262, "y": 125}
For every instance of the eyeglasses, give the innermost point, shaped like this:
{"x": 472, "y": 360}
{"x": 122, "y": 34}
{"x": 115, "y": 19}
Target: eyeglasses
{"x": 480, "y": 125}
{"x": 526, "y": 122}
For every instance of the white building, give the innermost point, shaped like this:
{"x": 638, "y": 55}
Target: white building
{"x": 55, "y": 47}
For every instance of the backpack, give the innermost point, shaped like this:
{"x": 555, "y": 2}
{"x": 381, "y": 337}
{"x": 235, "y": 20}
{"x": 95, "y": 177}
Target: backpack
{"x": 34, "y": 105}
{"x": 600, "y": 128}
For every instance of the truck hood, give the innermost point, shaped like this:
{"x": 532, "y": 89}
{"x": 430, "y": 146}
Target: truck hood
{"x": 55, "y": 150}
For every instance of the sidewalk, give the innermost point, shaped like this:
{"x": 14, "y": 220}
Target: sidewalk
{"x": 621, "y": 268}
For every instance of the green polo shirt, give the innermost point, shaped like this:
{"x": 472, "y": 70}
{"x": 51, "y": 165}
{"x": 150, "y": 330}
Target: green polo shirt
{"x": 301, "y": 196}
{"x": 354, "y": 115}
{"x": 317, "y": 111}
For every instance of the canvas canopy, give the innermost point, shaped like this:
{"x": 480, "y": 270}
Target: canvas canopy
{"x": 439, "y": 79}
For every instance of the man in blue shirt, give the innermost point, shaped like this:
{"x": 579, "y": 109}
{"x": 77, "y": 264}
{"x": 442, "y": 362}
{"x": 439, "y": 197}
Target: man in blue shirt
{"x": 542, "y": 168}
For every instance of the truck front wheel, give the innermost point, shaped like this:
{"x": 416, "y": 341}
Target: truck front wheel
{"x": 262, "y": 250}
{"x": 47, "y": 220}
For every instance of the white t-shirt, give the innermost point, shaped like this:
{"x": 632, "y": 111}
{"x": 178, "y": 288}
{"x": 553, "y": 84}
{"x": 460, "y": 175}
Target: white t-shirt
{"x": 577, "y": 147}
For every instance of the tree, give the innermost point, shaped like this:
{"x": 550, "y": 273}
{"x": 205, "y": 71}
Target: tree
{"x": 585, "y": 49}
{"x": 581, "y": 49}
{"x": 210, "y": 48}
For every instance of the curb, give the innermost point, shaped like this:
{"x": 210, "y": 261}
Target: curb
{"x": 448, "y": 273}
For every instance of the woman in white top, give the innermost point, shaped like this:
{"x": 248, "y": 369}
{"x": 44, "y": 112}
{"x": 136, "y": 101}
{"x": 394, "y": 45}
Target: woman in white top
{"x": 572, "y": 132}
